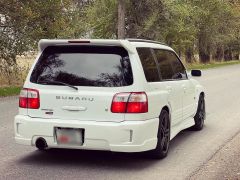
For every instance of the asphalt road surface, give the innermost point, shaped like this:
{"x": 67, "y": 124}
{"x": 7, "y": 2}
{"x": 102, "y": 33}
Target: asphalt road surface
{"x": 189, "y": 151}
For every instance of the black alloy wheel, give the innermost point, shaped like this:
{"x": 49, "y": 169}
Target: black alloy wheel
{"x": 200, "y": 115}
{"x": 161, "y": 150}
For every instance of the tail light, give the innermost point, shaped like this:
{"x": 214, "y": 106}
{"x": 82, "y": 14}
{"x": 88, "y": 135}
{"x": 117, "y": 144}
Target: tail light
{"x": 133, "y": 102}
{"x": 29, "y": 98}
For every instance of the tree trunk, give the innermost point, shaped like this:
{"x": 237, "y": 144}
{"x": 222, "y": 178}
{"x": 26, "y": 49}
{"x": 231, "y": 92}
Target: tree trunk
{"x": 204, "y": 56}
{"x": 189, "y": 55}
{"x": 236, "y": 56}
{"x": 219, "y": 56}
{"x": 121, "y": 19}
{"x": 228, "y": 55}
{"x": 204, "y": 49}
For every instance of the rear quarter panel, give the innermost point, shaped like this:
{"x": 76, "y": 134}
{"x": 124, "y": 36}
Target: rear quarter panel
{"x": 198, "y": 90}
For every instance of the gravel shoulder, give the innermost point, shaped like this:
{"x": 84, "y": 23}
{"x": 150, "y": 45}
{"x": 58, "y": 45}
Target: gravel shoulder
{"x": 225, "y": 164}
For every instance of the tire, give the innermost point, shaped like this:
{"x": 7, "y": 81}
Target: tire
{"x": 162, "y": 147}
{"x": 200, "y": 115}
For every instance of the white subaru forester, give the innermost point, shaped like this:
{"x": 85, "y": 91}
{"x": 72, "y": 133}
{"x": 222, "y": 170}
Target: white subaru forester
{"x": 117, "y": 95}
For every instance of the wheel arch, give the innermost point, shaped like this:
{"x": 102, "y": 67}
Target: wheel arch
{"x": 167, "y": 108}
{"x": 202, "y": 94}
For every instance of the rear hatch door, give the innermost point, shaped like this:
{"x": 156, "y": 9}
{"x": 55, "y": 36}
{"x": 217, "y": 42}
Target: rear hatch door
{"x": 79, "y": 82}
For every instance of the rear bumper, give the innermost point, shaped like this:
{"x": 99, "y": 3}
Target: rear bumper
{"x": 127, "y": 136}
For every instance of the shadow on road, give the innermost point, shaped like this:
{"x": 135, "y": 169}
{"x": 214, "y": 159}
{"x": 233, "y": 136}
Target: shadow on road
{"x": 92, "y": 159}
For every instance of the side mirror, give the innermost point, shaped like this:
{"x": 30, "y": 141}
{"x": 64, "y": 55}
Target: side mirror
{"x": 196, "y": 72}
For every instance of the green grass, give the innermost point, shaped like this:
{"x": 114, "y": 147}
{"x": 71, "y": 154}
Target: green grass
{"x": 211, "y": 65}
{"x": 9, "y": 91}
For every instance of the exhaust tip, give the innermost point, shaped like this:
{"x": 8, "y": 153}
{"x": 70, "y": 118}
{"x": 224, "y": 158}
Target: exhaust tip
{"x": 41, "y": 144}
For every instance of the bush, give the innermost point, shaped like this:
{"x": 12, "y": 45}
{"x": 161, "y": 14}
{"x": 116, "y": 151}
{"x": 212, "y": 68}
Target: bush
{"x": 12, "y": 75}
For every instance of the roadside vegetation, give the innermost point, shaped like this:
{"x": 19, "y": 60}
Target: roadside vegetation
{"x": 204, "y": 33}
{"x": 9, "y": 91}
{"x": 211, "y": 65}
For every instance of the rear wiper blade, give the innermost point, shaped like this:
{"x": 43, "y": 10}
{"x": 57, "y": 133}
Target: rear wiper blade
{"x": 58, "y": 82}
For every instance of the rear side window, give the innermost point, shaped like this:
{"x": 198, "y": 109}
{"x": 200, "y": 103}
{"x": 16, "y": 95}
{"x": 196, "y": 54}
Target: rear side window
{"x": 148, "y": 64}
{"x": 178, "y": 68}
{"x": 99, "y": 66}
{"x": 163, "y": 58}
{"x": 170, "y": 66}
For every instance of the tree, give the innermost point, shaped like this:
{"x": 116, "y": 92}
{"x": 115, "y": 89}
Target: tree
{"x": 214, "y": 23}
{"x": 101, "y": 19}
{"x": 121, "y": 19}
{"x": 208, "y": 28}
{"x": 24, "y": 23}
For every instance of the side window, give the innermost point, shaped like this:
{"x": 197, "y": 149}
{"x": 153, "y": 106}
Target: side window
{"x": 170, "y": 66}
{"x": 179, "y": 70}
{"x": 148, "y": 64}
{"x": 165, "y": 66}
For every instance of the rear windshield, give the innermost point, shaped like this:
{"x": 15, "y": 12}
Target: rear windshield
{"x": 99, "y": 66}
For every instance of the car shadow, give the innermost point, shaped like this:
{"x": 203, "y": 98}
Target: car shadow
{"x": 84, "y": 158}
{"x": 103, "y": 159}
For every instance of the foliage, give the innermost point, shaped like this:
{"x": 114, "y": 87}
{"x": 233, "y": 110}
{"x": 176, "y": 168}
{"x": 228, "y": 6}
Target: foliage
{"x": 207, "y": 27}
{"x": 211, "y": 65}
{"x": 210, "y": 28}
{"x": 24, "y": 23}
{"x": 102, "y": 19}
{"x": 9, "y": 91}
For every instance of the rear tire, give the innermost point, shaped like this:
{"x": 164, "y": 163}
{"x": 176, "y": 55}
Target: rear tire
{"x": 161, "y": 150}
{"x": 200, "y": 115}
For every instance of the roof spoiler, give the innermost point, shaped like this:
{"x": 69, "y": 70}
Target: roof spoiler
{"x": 43, "y": 43}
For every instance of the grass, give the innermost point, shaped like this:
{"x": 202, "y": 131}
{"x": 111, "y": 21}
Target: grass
{"x": 211, "y": 65}
{"x": 9, "y": 91}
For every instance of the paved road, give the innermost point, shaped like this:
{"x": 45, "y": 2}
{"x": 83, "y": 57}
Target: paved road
{"x": 224, "y": 164}
{"x": 189, "y": 151}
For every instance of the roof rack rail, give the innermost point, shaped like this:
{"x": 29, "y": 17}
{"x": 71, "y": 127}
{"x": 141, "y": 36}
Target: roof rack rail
{"x": 145, "y": 40}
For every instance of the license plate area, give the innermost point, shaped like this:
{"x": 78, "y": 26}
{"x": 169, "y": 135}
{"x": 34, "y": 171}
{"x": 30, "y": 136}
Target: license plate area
{"x": 69, "y": 136}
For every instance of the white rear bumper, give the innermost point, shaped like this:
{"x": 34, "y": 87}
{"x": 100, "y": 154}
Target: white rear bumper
{"x": 127, "y": 136}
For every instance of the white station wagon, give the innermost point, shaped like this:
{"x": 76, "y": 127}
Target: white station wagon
{"x": 116, "y": 95}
